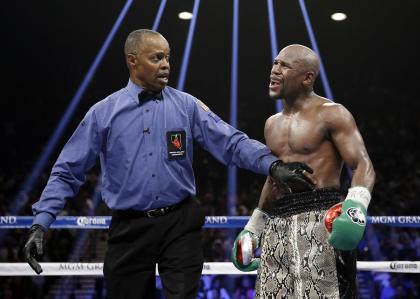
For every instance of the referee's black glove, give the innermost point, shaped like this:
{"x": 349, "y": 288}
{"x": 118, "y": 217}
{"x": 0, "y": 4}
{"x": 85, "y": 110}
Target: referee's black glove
{"x": 33, "y": 247}
{"x": 291, "y": 175}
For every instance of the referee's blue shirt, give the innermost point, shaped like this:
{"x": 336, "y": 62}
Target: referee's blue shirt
{"x": 145, "y": 150}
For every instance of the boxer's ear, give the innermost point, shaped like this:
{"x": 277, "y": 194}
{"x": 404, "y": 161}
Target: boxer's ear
{"x": 309, "y": 78}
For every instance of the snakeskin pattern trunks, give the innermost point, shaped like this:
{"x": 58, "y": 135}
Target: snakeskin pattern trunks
{"x": 296, "y": 259}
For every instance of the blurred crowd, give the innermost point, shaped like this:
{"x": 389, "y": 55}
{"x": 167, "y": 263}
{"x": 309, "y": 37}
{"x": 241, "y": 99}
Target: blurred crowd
{"x": 393, "y": 146}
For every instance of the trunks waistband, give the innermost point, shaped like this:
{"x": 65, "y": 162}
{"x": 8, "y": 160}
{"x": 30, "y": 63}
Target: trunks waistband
{"x": 296, "y": 203}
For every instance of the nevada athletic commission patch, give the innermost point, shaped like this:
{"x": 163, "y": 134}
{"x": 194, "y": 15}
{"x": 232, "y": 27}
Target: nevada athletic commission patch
{"x": 176, "y": 142}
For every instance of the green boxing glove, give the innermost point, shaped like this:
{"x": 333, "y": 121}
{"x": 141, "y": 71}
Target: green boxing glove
{"x": 248, "y": 241}
{"x": 346, "y": 221}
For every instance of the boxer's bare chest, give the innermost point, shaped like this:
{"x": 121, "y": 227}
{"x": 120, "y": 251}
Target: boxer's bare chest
{"x": 306, "y": 136}
{"x": 300, "y": 133}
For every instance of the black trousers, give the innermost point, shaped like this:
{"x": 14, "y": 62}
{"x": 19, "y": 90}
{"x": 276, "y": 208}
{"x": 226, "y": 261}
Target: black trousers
{"x": 137, "y": 244}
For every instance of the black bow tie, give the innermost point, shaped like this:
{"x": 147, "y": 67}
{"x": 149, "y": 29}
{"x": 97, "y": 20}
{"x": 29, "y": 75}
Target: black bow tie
{"x": 146, "y": 95}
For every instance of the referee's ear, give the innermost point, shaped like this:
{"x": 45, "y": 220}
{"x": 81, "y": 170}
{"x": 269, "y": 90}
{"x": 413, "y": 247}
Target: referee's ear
{"x": 131, "y": 60}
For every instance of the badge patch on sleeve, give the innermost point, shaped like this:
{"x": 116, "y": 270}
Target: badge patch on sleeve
{"x": 176, "y": 142}
{"x": 203, "y": 106}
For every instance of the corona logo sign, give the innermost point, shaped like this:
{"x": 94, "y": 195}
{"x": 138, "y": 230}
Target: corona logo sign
{"x": 83, "y": 221}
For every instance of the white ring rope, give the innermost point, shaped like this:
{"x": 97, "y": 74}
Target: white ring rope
{"x": 223, "y": 268}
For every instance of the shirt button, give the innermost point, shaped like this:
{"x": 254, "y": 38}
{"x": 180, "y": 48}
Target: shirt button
{"x": 157, "y": 197}
{"x": 150, "y": 154}
{"x": 147, "y": 110}
{"x": 153, "y": 175}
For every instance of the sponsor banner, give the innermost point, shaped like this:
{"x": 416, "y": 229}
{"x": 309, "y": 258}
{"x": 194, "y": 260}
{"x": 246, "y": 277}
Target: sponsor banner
{"x": 390, "y": 266}
{"x": 103, "y": 222}
{"x": 15, "y": 221}
{"x": 223, "y": 268}
{"x": 69, "y": 222}
{"x": 402, "y": 221}
{"x": 226, "y": 221}
{"x": 93, "y": 222}
{"x": 52, "y": 269}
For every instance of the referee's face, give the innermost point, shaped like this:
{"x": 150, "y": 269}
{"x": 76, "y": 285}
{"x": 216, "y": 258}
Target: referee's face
{"x": 151, "y": 70}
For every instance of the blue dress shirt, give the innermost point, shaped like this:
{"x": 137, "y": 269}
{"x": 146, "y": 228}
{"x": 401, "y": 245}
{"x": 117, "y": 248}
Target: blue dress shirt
{"x": 145, "y": 149}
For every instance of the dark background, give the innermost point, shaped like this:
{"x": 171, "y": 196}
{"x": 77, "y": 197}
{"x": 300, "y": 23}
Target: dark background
{"x": 371, "y": 60}
{"x": 48, "y": 46}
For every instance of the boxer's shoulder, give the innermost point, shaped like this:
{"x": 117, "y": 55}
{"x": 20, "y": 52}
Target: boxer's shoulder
{"x": 271, "y": 121}
{"x": 336, "y": 116}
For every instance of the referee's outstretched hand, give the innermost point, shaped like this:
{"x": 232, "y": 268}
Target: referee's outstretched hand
{"x": 33, "y": 248}
{"x": 292, "y": 175}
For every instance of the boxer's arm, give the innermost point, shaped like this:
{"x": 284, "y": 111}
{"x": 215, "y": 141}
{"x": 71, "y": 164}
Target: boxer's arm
{"x": 347, "y": 139}
{"x": 348, "y": 228}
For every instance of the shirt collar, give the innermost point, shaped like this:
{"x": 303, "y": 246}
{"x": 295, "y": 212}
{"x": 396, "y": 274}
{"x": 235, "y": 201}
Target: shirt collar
{"x": 140, "y": 94}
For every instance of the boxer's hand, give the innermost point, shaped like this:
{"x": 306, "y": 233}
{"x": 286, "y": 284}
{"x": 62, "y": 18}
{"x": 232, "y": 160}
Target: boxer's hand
{"x": 243, "y": 251}
{"x": 248, "y": 241}
{"x": 33, "y": 247}
{"x": 291, "y": 175}
{"x": 346, "y": 222}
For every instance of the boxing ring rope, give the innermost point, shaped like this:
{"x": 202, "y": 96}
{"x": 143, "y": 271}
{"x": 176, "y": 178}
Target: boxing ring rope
{"x": 222, "y": 268}
{"x": 215, "y": 268}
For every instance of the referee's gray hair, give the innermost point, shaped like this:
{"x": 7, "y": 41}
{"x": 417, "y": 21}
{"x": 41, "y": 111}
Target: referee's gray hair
{"x": 135, "y": 39}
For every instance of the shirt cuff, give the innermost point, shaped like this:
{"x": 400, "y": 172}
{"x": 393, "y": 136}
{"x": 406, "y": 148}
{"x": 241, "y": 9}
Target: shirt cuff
{"x": 44, "y": 219}
{"x": 266, "y": 163}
